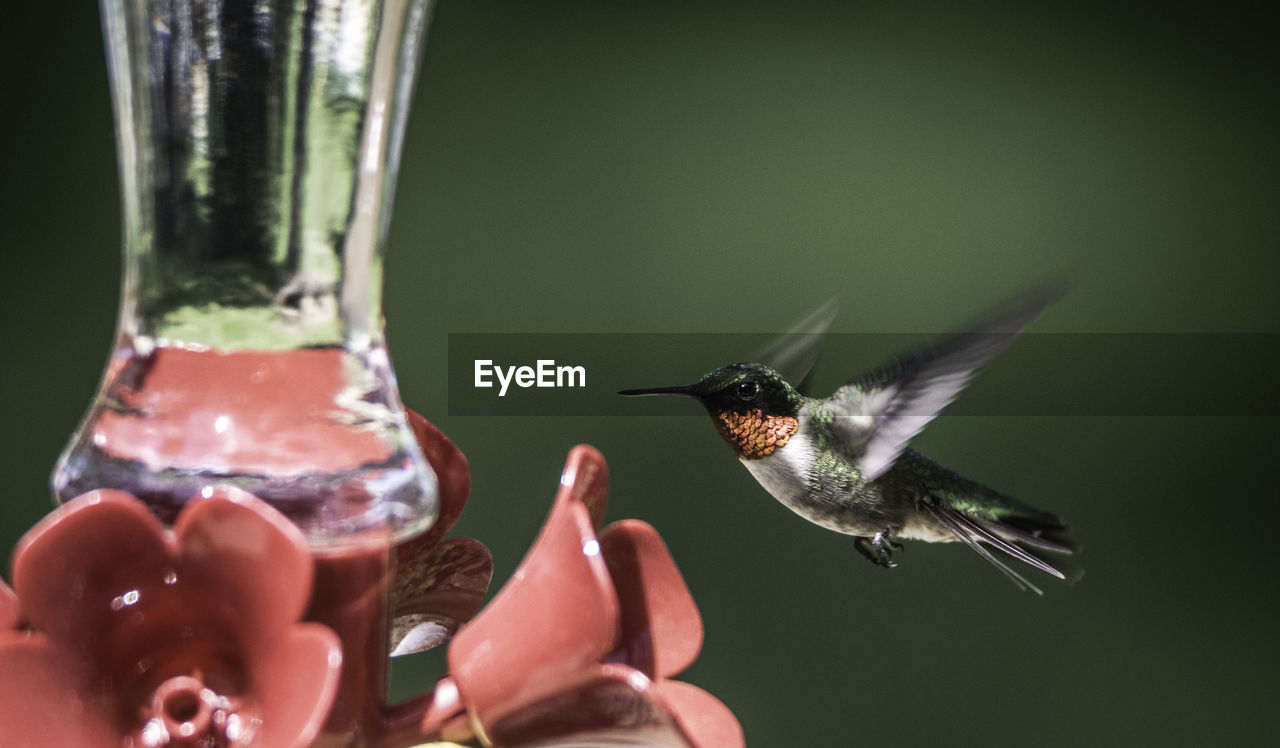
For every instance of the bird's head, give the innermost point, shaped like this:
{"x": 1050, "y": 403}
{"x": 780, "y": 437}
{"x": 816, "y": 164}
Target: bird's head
{"x": 753, "y": 407}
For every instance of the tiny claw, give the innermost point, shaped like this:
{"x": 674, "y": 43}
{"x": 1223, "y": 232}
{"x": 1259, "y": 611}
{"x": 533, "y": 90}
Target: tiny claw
{"x": 879, "y": 549}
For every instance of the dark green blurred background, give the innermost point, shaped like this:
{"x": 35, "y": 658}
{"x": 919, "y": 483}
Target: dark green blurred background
{"x": 718, "y": 167}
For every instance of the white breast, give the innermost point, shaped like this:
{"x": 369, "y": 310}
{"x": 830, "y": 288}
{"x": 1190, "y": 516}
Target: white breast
{"x": 785, "y": 474}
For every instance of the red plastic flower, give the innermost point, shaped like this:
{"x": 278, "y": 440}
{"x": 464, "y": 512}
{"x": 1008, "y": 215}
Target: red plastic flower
{"x": 580, "y": 644}
{"x": 147, "y": 637}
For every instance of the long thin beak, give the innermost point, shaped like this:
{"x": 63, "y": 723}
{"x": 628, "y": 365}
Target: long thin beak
{"x": 682, "y": 390}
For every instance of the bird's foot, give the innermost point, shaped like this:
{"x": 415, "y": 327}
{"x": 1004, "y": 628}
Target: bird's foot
{"x": 879, "y": 549}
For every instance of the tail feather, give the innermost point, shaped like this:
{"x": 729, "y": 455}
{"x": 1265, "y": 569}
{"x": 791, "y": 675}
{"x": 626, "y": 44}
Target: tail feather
{"x": 990, "y": 538}
{"x": 1030, "y": 546}
{"x": 1042, "y": 530}
{"x": 947, "y": 518}
{"x": 1054, "y": 541}
{"x": 1048, "y": 551}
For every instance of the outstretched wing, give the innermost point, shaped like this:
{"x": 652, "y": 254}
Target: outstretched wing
{"x": 878, "y": 413}
{"x": 794, "y": 353}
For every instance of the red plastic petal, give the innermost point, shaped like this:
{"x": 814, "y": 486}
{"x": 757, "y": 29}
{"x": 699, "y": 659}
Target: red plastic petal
{"x": 246, "y": 559}
{"x": 46, "y": 699}
{"x": 436, "y": 593}
{"x": 93, "y": 550}
{"x": 452, "y": 475}
{"x": 9, "y": 613}
{"x": 294, "y": 682}
{"x": 585, "y": 479}
{"x": 608, "y": 705}
{"x": 661, "y": 627}
{"x": 556, "y": 616}
{"x": 704, "y": 719}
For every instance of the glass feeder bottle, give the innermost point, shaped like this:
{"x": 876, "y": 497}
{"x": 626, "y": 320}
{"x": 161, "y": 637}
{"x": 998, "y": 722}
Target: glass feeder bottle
{"x": 258, "y": 144}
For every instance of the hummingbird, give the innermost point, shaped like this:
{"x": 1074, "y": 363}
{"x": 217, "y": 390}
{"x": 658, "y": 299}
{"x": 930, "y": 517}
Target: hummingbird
{"x": 843, "y": 462}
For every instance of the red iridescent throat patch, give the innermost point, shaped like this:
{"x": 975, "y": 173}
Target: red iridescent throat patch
{"x": 753, "y": 434}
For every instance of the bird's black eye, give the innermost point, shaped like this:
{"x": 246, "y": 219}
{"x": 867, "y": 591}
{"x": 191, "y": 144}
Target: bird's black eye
{"x": 748, "y": 390}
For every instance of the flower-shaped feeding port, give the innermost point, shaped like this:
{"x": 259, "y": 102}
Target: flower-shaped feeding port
{"x": 581, "y": 643}
{"x": 142, "y": 636}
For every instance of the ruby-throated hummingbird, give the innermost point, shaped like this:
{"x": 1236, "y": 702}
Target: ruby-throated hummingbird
{"x": 842, "y": 462}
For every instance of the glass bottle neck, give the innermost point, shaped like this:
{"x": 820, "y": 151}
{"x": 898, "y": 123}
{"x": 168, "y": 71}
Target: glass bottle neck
{"x": 258, "y": 146}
